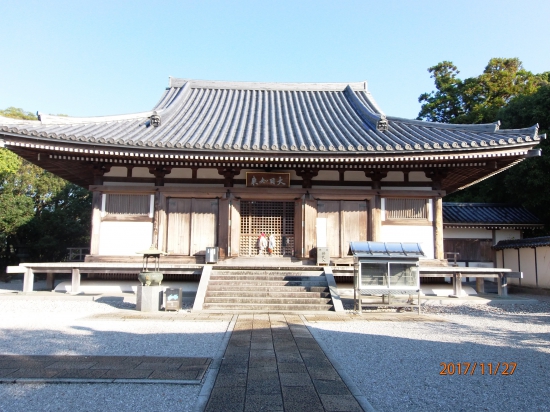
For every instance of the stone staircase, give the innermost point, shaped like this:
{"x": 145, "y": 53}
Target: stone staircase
{"x": 269, "y": 290}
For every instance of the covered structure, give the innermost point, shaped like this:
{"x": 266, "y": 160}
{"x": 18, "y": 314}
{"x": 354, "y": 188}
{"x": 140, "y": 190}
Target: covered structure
{"x": 471, "y": 229}
{"x": 219, "y": 163}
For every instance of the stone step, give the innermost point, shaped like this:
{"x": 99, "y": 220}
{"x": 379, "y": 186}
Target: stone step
{"x": 267, "y": 283}
{"x": 264, "y": 289}
{"x": 268, "y": 301}
{"x": 269, "y": 277}
{"x": 261, "y": 293}
{"x": 267, "y": 308}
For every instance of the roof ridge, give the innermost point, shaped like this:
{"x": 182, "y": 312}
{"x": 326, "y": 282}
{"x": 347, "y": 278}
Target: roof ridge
{"x": 52, "y": 119}
{"x": 290, "y": 86}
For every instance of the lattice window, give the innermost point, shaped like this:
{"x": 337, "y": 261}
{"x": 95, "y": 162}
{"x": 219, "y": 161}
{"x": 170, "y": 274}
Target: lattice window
{"x": 127, "y": 204}
{"x": 406, "y": 209}
{"x": 275, "y": 218}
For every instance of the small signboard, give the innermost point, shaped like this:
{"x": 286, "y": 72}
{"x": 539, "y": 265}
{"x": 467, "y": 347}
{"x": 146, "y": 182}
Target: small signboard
{"x": 173, "y": 299}
{"x": 267, "y": 179}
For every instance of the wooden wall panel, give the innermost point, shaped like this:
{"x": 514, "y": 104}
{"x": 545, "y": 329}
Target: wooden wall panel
{"x": 204, "y": 225}
{"x": 354, "y": 223}
{"x": 179, "y": 225}
{"x": 330, "y": 210}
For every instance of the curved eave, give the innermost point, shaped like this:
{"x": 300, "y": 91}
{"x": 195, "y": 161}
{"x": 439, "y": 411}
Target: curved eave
{"x": 489, "y": 226}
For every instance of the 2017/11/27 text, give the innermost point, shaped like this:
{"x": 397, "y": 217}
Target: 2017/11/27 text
{"x": 469, "y": 368}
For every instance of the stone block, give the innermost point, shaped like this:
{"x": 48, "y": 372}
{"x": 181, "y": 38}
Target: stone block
{"x": 148, "y": 298}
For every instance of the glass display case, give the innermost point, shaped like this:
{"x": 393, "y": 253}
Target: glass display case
{"x": 386, "y": 269}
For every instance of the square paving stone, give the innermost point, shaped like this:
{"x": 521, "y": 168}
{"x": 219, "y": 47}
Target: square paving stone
{"x": 295, "y": 379}
{"x": 256, "y": 403}
{"x": 233, "y": 367}
{"x": 116, "y": 365}
{"x": 262, "y": 373}
{"x": 340, "y": 403}
{"x": 227, "y": 399}
{"x": 231, "y": 379}
{"x": 199, "y": 371}
{"x": 323, "y": 373}
{"x": 34, "y": 373}
{"x": 81, "y": 373}
{"x": 300, "y": 397}
{"x": 71, "y": 365}
{"x": 176, "y": 375}
{"x": 27, "y": 364}
{"x": 331, "y": 387}
{"x": 127, "y": 374}
{"x": 159, "y": 366}
{"x": 263, "y": 387}
{"x": 7, "y": 373}
{"x": 292, "y": 368}
{"x": 263, "y": 363}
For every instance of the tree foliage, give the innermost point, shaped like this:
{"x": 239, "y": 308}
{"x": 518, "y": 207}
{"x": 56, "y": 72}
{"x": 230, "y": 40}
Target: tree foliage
{"x": 477, "y": 99}
{"x": 507, "y": 92}
{"x": 40, "y": 213}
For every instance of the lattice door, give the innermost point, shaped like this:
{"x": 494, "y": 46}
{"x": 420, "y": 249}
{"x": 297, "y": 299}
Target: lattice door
{"x": 275, "y": 218}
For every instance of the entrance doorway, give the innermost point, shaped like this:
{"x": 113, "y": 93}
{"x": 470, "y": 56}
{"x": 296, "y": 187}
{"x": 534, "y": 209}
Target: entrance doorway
{"x": 271, "y": 218}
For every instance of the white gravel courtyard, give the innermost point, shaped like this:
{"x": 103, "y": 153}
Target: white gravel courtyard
{"x": 77, "y": 327}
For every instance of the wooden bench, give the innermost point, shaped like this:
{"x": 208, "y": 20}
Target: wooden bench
{"x": 457, "y": 272}
{"x": 76, "y": 268}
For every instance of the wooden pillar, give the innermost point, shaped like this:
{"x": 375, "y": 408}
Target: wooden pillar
{"x": 310, "y": 226}
{"x": 375, "y": 211}
{"x": 75, "y": 281}
{"x": 162, "y": 219}
{"x": 223, "y": 227}
{"x": 438, "y": 228}
{"x": 50, "y": 281}
{"x": 234, "y": 226}
{"x": 299, "y": 228}
{"x": 480, "y": 285}
{"x": 156, "y": 203}
{"x": 96, "y": 223}
{"x": 28, "y": 280}
{"x": 160, "y": 172}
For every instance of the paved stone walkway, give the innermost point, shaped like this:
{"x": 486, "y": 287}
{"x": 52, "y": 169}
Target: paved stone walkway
{"x": 104, "y": 369}
{"x": 273, "y": 363}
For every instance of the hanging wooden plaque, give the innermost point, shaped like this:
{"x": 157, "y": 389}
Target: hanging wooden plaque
{"x": 267, "y": 179}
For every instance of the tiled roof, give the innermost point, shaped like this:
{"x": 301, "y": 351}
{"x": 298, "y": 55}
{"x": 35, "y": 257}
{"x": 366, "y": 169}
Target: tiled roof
{"x": 522, "y": 243}
{"x": 208, "y": 116}
{"x": 487, "y": 215}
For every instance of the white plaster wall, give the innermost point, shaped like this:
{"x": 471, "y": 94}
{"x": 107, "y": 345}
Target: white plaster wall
{"x": 527, "y": 265}
{"x": 180, "y": 173}
{"x": 394, "y": 177}
{"x": 141, "y": 172}
{"x": 117, "y": 171}
{"x": 355, "y": 175}
{"x": 543, "y": 266}
{"x": 418, "y": 234}
{"x": 328, "y": 175}
{"x": 418, "y": 177}
{"x": 506, "y": 234}
{"x": 510, "y": 262}
{"x": 127, "y": 184}
{"x": 203, "y": 173}
{"x": 474, "y": 233}
{"x": 124, "y": 238}
{"x": 405, "y": 188}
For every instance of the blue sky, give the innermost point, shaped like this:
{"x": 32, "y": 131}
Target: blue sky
{"x": 91, "y": 58}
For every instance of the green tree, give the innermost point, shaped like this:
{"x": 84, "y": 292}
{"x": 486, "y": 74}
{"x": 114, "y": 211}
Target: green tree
{"x": 38, "y": 210}
{"x": 477, "y": 99}
{"x": 518, "y": 98}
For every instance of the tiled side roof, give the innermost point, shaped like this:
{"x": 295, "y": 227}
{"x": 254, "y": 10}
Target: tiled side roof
{"x": 271, "y": 117}
{"x": 522, "y": 243}
{"x": 487, "y": 214}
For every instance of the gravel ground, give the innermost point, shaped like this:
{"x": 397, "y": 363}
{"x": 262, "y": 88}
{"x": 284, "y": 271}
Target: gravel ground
{"x": 58, "y": 327}
{"x": 397, "y": 365}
